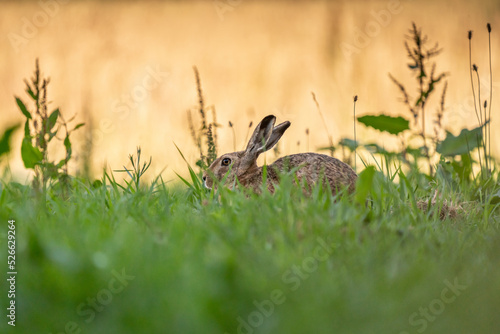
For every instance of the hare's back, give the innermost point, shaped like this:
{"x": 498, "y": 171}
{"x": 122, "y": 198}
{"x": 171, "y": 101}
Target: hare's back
{"x": 313, "y": 166}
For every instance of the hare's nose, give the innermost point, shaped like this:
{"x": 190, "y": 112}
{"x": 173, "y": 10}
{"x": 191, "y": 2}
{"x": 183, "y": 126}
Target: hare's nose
{"x": 204, "y": 178}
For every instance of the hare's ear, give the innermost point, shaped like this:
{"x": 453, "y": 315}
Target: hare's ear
{"x": 278, "y": 131}
{"x": 260, "y": 137}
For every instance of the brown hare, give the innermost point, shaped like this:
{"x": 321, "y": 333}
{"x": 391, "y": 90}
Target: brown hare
{"x": 309, "y": 167}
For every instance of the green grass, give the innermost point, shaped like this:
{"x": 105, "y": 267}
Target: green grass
{"x": 201, "y": 263}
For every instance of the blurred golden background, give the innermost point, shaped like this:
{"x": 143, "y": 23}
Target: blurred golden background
{"x": 126, "y": 68}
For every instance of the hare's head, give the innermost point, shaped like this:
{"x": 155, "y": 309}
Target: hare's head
{"x": 243, "y": 164}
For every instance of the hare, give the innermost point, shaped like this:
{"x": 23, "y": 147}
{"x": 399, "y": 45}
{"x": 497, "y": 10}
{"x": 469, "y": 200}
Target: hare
{"x": 309, "y": 167}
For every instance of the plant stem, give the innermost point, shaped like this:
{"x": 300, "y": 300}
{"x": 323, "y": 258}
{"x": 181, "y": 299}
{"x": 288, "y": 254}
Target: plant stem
{"x": 471, "y": 77}
{"x": 355, "y": 142}
{"x": 491, "y": 90}
{"x": 483, "y": 122}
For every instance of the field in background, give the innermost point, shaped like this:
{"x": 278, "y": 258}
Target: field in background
{"x": 255, "y": 58}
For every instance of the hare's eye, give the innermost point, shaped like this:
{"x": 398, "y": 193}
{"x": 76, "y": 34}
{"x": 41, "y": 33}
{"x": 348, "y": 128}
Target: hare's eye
{"x": 226, "y": 162}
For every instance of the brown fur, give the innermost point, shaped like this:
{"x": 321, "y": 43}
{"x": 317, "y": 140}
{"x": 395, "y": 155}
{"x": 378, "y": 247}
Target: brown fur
{"x": 309, "y": 167}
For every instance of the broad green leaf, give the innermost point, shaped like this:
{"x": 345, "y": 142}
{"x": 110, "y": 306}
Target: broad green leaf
{"x": 61, "y": 163}
{"x": 27, "y": 133}
{"x": 78, "y": 126}
{"x": 465, "y": 142}
{"x": 52, "y": 135}
{"x": 349, "y": 143}
{"x": 375, "y": 148}
{"x": 393, "y": 125}
{"x": 31, "y": 155}
{"x": 69, "y": 152}
{"x": 52, "y": 120}
{"x": 30, "y": 92}
{"x": 67, "y": 144}
{"x": 364, "y": 184}
{"x": 5, "y": 140}
{"x": 23, "y": 108}
{"x": 495, "y": 198}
